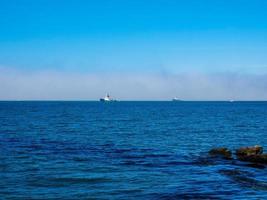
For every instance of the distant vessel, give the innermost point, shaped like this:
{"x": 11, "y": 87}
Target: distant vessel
{"x": 107, "y": 98}
{"x": 231, "y": 100}
{"x": 176, "y": 99}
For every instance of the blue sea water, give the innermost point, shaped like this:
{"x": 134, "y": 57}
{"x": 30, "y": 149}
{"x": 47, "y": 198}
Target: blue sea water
{"x": 129, "y": 150}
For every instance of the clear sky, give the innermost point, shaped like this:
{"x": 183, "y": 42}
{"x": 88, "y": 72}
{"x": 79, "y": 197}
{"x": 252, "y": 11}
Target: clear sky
{"x": 139, "y": 49}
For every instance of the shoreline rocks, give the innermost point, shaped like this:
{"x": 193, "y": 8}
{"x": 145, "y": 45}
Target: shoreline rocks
{"x": 261, "y": 159}
{"x": 249, "y": 151}
{"x": 252, "y": 154}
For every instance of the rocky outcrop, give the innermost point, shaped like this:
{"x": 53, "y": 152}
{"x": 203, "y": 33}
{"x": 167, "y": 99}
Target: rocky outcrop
{"x": 252, "y": 154}
{"x": 249, "y": 151}
{"x": 222, "y": 152}
{"x": 262, "y": 158}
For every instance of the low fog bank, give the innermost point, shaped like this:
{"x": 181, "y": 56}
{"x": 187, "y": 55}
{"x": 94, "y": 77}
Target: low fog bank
{"x": 53, "y": 85}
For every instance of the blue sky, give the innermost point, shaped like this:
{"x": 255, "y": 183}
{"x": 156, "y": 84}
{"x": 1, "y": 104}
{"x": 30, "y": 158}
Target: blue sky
{"x": 118, "y": 37}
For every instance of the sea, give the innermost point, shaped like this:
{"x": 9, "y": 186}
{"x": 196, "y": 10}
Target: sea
{"x": 129, "y": 150}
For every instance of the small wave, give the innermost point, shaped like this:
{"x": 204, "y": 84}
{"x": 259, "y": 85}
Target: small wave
{"x": 66, "y": 181}
{"x": 73, "y": 180}
{"x": 192, "y": 195}
{"x": 144, "y": 156}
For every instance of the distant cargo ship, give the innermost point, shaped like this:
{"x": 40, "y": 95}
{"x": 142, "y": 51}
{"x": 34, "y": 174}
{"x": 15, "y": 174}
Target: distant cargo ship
{"x": 107, "y": 98}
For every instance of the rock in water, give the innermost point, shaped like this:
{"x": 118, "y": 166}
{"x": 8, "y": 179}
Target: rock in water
{"x": 252, "y": 154}
{"x": 222, "y": 152}
{"x": 249, "y": 151}
{"x": 262, "y": 158}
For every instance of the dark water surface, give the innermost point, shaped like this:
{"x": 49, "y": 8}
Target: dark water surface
{"x": 129, "y": 150}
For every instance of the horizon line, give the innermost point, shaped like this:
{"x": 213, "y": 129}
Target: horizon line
{"x": 148, "y": 100}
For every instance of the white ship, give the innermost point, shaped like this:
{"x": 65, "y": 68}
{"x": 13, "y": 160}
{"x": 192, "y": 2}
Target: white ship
{"x": 107, "y": 98}
{"x": 176, "y": 99}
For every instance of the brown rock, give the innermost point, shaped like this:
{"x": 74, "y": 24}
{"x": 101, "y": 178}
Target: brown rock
{"x": 249, "y": 151}
{"x": 261, "y": 158}
{"x": 252, "y": 154}
{"x": 222, "y": 152}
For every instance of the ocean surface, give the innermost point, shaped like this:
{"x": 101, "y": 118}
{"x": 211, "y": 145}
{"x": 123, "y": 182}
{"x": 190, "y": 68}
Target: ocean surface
{"x": 129, "y": 150}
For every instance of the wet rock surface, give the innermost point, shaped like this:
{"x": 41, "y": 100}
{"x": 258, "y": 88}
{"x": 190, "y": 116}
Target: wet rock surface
{"x": 249, "y": 151}
{"x": 262, "y": 158}
{"x": 252, "y": 154}
{"x": 246, "y": 168}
